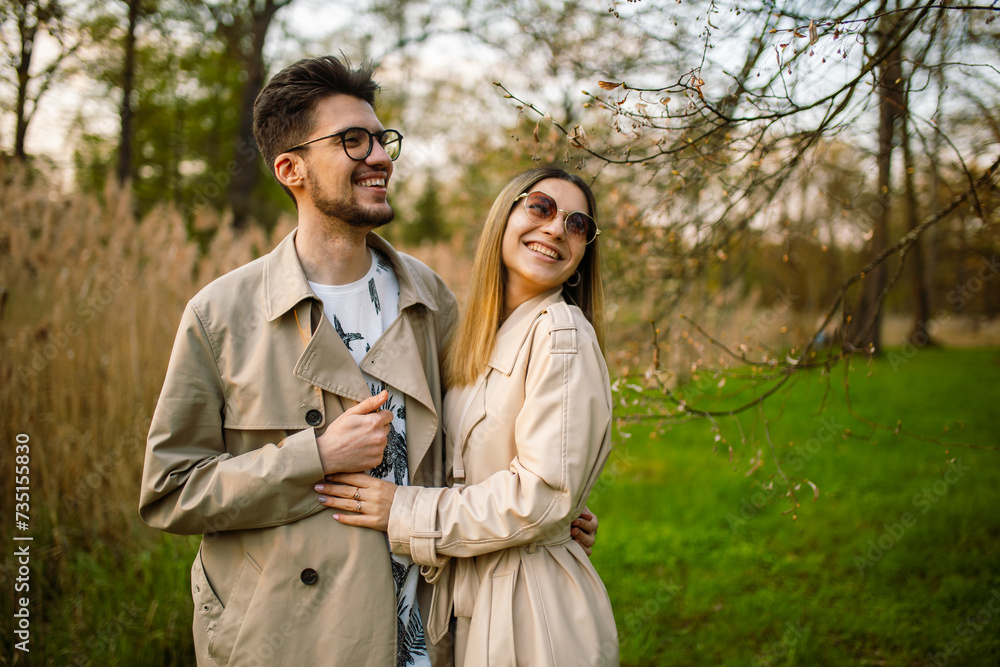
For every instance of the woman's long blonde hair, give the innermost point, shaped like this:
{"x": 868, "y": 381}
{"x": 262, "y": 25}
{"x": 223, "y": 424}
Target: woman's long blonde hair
{"x": 473, "y": 342}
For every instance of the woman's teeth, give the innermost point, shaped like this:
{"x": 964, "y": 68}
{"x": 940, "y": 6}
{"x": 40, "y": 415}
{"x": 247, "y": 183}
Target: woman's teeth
{"x": 539, "y": 248}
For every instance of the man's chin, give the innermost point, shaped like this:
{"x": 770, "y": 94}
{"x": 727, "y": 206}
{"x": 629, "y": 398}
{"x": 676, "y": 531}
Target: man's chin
{"x": 372, "y": 219}
{"x": 356, "y": 215}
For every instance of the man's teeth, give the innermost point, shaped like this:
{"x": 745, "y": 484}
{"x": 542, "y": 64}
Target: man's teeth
{"x": 373, "y": 183}
{"x": 537, "y": 247}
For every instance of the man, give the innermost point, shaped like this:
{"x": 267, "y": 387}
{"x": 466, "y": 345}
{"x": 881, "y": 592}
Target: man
{"x": 320, "y": 357}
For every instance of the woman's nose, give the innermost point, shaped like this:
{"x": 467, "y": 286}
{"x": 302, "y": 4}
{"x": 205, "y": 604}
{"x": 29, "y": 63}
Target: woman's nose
{"x": 556, "y": 226}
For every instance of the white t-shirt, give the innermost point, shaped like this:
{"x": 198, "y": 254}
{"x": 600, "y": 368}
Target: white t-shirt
{"x": 360, "y": 312}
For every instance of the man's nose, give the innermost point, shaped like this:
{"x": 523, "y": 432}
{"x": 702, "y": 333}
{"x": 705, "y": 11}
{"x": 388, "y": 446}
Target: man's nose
{"x": 378, "y": 156}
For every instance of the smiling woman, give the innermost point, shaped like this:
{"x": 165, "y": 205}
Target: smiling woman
{"x": 528, "y": 418}
{"x": 492, "y": 276}
{"x": 538, "y": 252}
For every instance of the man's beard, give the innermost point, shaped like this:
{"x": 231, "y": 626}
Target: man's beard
{"x": 349, "y": 211}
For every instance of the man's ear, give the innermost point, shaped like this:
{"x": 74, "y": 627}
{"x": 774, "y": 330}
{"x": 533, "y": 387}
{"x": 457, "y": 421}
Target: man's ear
{"x": 290, "y": 170}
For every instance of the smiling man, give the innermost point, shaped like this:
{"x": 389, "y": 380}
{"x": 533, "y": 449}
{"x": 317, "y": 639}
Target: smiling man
{"x": 320, "y": 357}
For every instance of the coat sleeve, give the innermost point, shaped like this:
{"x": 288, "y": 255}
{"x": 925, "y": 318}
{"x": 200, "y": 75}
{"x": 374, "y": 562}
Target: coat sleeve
{"x": 190, "y": 484}
{"x": 559, "y": 435}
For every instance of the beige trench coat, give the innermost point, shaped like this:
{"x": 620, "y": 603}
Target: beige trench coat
{"x": 256, "y": 371}
{"x": 530, "y": 437}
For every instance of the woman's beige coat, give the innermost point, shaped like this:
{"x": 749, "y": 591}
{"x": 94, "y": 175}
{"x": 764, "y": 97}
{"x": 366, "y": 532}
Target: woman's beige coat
{"x": 530, "y": 439}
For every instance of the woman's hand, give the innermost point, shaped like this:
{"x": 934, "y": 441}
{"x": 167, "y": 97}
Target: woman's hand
{"x": 584, "y": 530}
{"x": 367, "y": 499}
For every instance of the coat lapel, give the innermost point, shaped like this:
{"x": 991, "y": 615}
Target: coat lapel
{"x": 284, "y": 284}
{"x": 515, "y": 330}
{"x": 396, "y": 359}
{"x": 326, "y": 363}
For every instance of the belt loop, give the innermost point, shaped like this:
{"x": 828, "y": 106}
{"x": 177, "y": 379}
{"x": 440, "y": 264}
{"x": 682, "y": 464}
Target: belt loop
{"x": 532, "y": 547}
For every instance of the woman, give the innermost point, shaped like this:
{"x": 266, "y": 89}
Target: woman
{"x": 528, "y": 417}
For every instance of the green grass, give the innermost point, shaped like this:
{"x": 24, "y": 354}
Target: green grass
{"x": 701, "y": 565}
{"x": 128, "y": 603}
{"x": 885, "y": 567}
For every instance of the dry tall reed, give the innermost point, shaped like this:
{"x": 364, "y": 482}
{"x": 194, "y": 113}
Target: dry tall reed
{"x": 93, "y": 298}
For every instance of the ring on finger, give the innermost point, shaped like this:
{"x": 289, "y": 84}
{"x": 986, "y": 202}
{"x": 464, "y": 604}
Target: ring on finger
{"x": 357, "y": 494}
{"x": 359, "y": 506}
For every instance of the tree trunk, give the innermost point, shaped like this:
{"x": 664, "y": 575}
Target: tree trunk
{"x": 27, "y": 33}
{"x": 864, "y": 331}
{"x": 128, "y": 81}
{"x": 246, "y": 171}
{"x": 934, "y": 173}
{"x": 919, "y": 335}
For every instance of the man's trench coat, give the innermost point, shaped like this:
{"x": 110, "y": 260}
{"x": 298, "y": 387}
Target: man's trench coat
{"x": 257, "y": 370}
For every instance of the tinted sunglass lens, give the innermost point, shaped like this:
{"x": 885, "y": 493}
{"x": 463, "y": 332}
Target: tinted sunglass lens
{"x": 581, "y": 228}
{"x": 576, "y": 227}
{"x": 541, "y": 208}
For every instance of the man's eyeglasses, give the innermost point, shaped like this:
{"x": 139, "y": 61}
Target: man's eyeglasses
{"x": 541, "y": 209}
{"x": 358, "y": 142}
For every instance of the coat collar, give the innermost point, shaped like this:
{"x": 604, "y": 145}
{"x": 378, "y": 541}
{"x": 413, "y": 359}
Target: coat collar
{"x": 285, "y": 284}
{"x": 514, "y": 330}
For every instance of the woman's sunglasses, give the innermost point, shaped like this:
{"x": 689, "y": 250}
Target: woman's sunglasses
{"x": 541, "y": 209}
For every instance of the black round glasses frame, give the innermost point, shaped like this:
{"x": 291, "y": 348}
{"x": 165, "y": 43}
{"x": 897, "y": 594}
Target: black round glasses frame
{"x": 390, "y": 140}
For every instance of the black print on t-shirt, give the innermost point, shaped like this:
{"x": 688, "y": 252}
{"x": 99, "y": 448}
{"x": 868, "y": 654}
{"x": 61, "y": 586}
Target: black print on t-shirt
{"x": 394, "y": 456}
{"x": 399, "y": 572}
{"x": 410, "y": 640}
{"x": 348, "y": 338}
{"x": 373, "y": 293}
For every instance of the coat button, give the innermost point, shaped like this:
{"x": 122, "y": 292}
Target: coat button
{"x": 309, "y": 576}
{"x": 314, "y": 417}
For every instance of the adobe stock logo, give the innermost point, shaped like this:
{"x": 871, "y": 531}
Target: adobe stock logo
{"x": 957, "y": 298}
{"x": 967, "y": 631}
{"x": 894, "y": 532}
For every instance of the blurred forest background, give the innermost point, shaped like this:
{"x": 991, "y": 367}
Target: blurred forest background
{"x": 788, "y": 191}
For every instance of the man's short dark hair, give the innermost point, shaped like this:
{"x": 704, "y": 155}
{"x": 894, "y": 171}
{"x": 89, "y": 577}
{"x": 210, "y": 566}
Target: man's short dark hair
{"x": 283, "y": 112}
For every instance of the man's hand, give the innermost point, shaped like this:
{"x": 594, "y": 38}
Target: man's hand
{"x": 368, "y": 500}
{"x": 355, "y": 441}
{"x": 584, "y": 531}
